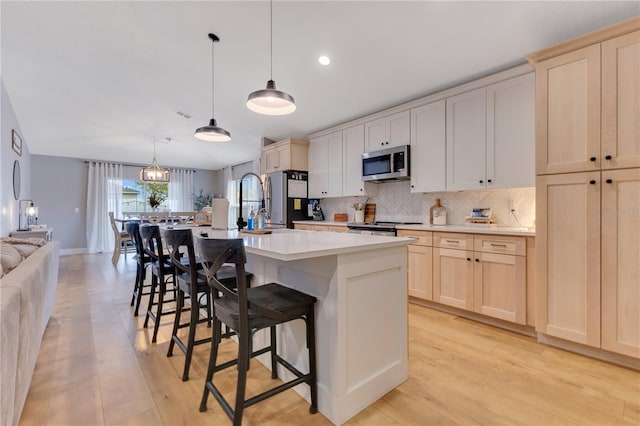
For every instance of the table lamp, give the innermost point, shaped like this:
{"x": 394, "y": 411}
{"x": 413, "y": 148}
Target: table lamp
{"x": 31, "y": 213}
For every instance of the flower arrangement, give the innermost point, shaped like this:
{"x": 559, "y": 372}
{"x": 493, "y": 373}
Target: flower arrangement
{"x": 155, "y": 199}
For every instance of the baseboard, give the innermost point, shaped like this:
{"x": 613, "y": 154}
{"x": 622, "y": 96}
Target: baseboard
{"x": 599, "y": 354}
{"x": 517, "y": 328}
{"x": 67, "y": 252}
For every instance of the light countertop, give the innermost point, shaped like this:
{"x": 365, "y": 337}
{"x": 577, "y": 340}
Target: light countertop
{"x": 481, "y": 229}
{"x": 290, "y": 244}
{"x": 470, "y": 229}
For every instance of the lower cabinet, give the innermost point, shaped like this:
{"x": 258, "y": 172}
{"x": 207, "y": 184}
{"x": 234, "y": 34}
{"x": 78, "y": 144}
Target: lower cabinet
{"x": 500, "y": 278}
{"x": 419, "y": 255}
{"x": 453, "y": 270}
{"x": 486, "y": 274}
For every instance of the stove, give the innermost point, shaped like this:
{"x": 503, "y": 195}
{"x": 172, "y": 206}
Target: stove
{"x": 377, "y": 228}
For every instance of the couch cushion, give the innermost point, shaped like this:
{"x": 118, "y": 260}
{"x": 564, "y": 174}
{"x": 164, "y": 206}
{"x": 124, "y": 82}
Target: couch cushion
{"x": 9, "y": 257}
{"x": 25, "y": 250}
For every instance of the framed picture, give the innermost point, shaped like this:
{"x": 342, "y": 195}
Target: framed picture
{"x": 16, "y": 142}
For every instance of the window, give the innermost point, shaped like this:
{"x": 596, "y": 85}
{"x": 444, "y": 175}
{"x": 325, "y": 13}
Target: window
{"x": 135, "y": 195}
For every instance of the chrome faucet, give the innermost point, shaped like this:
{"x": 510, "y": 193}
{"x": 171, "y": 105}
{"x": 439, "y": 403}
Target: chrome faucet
{"x": 240, "y": 222}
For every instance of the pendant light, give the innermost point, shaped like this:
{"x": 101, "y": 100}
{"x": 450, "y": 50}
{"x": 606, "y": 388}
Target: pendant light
{"x": 212, "y": 132}
{"x": 154, "y": 173}
{"x": 271, "y": 101}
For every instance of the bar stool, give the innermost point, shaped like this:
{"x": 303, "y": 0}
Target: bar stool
{"x": 142, "y": 261}
{"x": 189, "y": 284}
{"x": 246, "y": 311}
{"x": 163, "y": 273}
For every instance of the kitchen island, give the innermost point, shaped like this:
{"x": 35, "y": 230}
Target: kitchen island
{"x": 360, "y": 282}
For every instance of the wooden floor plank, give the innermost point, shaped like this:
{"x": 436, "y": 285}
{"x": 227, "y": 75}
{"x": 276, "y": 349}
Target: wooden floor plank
{"x": 97, "y": 366}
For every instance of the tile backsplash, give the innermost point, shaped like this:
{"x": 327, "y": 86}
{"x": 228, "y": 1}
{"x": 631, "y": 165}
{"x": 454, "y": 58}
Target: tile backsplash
{"x": 395, "y": 202}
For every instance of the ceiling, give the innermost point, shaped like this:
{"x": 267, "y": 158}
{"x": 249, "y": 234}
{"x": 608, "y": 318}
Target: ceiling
{"x": 100, "y": 80}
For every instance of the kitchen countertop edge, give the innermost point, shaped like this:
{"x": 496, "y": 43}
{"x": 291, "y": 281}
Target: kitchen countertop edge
{"x": 499, "y": 230}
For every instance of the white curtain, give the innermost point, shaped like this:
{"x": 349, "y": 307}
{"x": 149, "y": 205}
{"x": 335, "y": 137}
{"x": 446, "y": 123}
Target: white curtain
{"x": 229, "y": 194}
{"x": 104, "y": 195}
{"x": 180, "y": 190}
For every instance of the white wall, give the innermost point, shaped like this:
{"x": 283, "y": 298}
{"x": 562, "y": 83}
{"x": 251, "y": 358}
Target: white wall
{"x": 9, "y": 122}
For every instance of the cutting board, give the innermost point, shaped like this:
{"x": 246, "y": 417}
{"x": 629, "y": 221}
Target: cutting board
{"x": 256, "y": 231}
{"x": 369, "y": 213}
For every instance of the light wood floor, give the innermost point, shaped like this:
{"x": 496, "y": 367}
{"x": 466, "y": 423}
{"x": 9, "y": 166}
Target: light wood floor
{"x": 98, "y": 367}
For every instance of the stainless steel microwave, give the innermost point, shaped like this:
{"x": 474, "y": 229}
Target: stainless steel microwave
{"x": 389, "y": 164}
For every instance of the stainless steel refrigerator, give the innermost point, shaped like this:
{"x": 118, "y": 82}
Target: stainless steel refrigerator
{"x": 286, "y": 199}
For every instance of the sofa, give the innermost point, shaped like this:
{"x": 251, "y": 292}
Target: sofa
{"x": 27, "y": 296}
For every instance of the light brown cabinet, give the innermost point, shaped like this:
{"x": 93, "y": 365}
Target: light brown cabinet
{"x": 587, "y": 108}
{"x": 485, "y": 274}
{"x": 453, "y": 270}
{"x": 588, "y": 189}
{"x": 500, "y": 277}
{"x": 287, "y": 154}
{"x": 419, "y": 264}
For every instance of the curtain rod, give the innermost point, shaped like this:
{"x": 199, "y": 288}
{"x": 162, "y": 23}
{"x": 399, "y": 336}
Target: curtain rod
{"x": 133, "y": 165}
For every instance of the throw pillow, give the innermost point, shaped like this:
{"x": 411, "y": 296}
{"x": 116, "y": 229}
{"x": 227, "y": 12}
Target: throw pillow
{"x": 9, "y": 257}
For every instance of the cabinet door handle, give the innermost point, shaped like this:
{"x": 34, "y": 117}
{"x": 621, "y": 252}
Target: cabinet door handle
{"x": 592, "y": 159}
{"x": 609, "y": 181}
{"x": 489, "y": 180}
{"x": 592, "y": 182}
{"x": 453, "y": 241}
{"x": 468, "y": 259}
{"x": 413, "y": 186}
{"x": 607, "y": 157}
{"x": 481, "y": 181}
{"x": 477, "y": 260}
{"x": 360, "y": 189}
{"x": 498, "y": 245}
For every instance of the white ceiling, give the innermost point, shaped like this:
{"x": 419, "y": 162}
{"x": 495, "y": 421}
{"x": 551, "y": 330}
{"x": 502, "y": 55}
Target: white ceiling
{"x": 98, "y": 80}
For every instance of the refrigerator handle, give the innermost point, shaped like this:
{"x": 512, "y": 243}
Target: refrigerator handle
{"x": 267, "y": 196}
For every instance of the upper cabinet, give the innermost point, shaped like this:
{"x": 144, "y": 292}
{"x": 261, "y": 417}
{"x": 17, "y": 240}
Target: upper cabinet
{"x": 325, "y": 166}
{"x": 621, "y": 102}
{"x": 385, "y": 132}
{"x": 335, "y": 165}
{"x": 490, "y": 136}
{"x": 588, "y": 104}
{"x": 352, "y": 149}
{"x": 287, "y": 154}
{"x": 428, "y": 142}
{"x": 466, "y": 139}
{"x": 511, "y": 133}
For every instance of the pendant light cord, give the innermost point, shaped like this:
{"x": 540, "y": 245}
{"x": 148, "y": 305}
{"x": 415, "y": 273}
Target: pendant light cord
{"x": 213, "y": 111}
{"x": 271, "y": 38}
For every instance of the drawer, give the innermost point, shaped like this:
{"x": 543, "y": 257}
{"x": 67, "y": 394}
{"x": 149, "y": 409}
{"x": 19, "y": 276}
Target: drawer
{"x": 424, "y": 238}
{"x": 454, "y": 241}
{"x": 502, "y": 245}
{"x": 336, "y": 228}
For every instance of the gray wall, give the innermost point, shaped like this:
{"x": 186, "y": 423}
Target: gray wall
{"x": 60, "y": 186}
{"x": 9, "y": 122}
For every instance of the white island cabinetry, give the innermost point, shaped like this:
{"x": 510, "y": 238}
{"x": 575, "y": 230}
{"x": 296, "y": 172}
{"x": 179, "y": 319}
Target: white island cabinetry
{"x": 360, "y": 282}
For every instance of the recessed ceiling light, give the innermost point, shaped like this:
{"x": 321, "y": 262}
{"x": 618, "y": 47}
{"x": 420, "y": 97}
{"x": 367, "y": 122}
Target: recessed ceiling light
{"x": 324, "y": 60}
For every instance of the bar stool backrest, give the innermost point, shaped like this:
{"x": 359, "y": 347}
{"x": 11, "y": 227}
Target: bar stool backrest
{"x": 152, "y": 243}
{"x": 133, "y": 229}
{"x": 181, "y": 241}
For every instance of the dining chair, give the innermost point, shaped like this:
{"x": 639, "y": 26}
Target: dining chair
{"x": 122, "y": 239}
{"x": 246, "y": 310}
